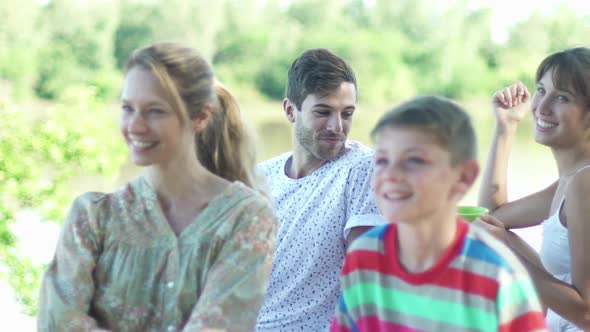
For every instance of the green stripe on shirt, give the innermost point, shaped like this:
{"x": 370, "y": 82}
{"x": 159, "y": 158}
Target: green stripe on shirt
{"x": 424, "y": 307}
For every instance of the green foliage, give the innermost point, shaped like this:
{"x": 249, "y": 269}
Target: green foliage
{"x": 134, "y": 31}
{"x": 23, "y": 276}
{"x": 6, "y": 237}
{"x": 18, "y": 65}
{"x": 195, "y": 23}
{"x": 398, "y": 48}
{"x": 80, "y": 45}
{"x": 235, "y": 63}
{"x": 58, "y": 70}
{"x": 20, "y": 38}
{"x": 85, "y": 29}
{"x": 271, "y": 79}
{"x": 106, "y": 85}
{"x": 40, "y": 154}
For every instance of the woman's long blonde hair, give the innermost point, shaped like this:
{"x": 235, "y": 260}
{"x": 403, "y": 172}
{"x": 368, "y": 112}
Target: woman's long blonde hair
{"x": 226, "y": 147}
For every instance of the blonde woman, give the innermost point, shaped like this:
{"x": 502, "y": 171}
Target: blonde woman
{"x": 187, "y": 245}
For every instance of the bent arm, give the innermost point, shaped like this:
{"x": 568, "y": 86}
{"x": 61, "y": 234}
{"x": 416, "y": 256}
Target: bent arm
{"x": 562, "y": 298}
{"x": 494, "y": 189}
{"x": 236, "y": 282}
{"x": 510, "y": 105}
{"x": 361, "y": 209}
{"x": 528, "y": 211}
{"x": 525, "y": 212}
{"x": 68, "y": 286}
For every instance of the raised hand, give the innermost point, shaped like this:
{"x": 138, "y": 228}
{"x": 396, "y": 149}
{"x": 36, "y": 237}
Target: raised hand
{"x": 510, "y": 104}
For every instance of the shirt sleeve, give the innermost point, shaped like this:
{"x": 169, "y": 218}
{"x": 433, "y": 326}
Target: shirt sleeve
{"x": 67, "y": 285}
{"x": 518, "y": 306}
{"x": 237, "y": 281}
{"x": 361, "y": 207}
{"x": 363, "y": 220}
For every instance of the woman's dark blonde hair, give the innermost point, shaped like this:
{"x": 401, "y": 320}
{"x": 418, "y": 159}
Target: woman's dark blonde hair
{"x": 226, "y": 147}
{"x": 571, "y": 71}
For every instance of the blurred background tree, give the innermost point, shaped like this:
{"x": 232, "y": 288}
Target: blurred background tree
{"x": 62, "y": 62}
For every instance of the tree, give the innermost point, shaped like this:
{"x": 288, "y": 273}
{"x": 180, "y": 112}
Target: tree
{"x": 80, "y": 44}
{"x": 70, "y": 140}
{"x": 135, "y": 29}
{"x": 20, "y": 41}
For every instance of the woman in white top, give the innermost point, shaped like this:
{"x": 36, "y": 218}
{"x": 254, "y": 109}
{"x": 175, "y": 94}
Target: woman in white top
{"x": 561, "y": 111}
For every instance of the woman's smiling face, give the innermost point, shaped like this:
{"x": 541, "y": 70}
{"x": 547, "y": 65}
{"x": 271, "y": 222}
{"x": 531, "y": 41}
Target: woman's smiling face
{"x": 560, "y": 115}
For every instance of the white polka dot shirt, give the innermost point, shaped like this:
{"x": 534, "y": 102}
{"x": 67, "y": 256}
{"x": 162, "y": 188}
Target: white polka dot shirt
{"x": 313, "y": 214}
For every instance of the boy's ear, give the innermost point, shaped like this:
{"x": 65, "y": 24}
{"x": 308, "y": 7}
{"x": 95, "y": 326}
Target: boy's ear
{"x": 289, "y": 110}
{"x": 468, "y": 172}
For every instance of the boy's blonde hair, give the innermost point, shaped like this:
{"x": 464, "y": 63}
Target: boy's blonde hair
{"x": 441, "y": 117}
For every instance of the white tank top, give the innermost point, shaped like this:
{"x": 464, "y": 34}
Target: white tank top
{"x": 555, "y": 255}
{"x": 555, "y": 246}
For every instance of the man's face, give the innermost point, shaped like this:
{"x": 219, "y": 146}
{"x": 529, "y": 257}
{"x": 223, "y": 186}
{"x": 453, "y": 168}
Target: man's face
{"x": 323, "y": 122}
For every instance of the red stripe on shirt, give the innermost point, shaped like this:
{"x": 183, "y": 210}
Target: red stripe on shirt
{"x": 530, "y": 321}
{"x": 461, "y": 280}
{"x": 373, "y": 323}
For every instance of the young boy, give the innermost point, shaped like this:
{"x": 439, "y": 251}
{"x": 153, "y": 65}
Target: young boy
{"x": 428, "y": 270}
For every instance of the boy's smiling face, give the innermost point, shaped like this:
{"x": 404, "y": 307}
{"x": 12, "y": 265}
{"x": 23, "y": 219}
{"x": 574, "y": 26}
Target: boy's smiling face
{"x": 414, "y": 180}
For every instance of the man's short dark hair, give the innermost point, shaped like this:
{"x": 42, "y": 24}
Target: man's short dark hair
{"x": 441, "y": 117}
{"x": 316, "y": 71}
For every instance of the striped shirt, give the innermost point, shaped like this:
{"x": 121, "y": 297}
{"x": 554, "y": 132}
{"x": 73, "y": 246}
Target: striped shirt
{"x": 477, "y": 285}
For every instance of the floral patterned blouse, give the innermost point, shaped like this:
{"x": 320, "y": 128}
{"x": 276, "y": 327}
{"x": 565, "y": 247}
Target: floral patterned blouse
{"x": 120, "y": 266}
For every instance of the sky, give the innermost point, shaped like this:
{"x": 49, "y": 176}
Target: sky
{"x": 506, "y": 13}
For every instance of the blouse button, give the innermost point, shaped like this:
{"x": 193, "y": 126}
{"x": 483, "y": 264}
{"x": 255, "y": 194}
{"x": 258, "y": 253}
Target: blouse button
{"x": 170, "y": 284}
{"x": 170, "y": 328}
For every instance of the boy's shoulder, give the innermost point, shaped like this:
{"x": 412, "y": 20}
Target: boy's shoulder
{"x": 371, "y": 240}
{"x": 480, "y": 246}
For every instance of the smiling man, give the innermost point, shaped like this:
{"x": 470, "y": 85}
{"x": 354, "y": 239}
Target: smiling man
{"x": 321, "y": 191}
